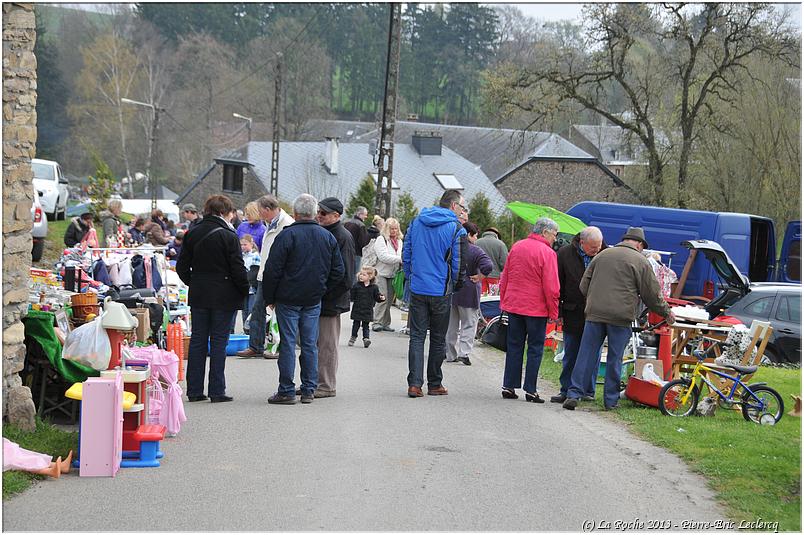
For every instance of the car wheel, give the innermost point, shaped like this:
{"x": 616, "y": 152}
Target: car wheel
{"x": 51, "y": 216}
{"x": 769, "y": 357}
{"x": 37, "y": 250}
{"x": 61, "y": 216}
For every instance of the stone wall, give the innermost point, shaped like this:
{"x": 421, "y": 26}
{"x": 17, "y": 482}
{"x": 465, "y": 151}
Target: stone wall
{"x": 562, "y": 184}
{"x": 19, "y": 146}
{"x": 213, "y": 185}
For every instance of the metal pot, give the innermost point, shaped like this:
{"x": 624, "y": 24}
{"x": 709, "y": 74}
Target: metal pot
{"x": 647, "y": 352}
{"x": 649, "y": 338}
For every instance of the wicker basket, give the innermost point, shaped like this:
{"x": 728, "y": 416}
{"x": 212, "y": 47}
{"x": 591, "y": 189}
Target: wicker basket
{"x": 89, "y": 298}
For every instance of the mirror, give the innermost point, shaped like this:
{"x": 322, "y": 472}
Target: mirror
{"x": 63, "y": 180}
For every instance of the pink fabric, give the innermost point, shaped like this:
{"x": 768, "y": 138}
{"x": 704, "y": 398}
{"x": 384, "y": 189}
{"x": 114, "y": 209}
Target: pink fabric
{"x": 529, "y": 283}
{"x": 165, "y": 365}
{"x": 149, "y": 282}
{"x": 17, "y": 458}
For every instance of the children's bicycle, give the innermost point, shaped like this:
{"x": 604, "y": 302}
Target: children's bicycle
{"x": 760, "y": 403}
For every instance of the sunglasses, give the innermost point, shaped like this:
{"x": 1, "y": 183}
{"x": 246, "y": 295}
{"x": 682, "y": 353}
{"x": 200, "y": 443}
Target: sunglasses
{"x": 322, "y": 212}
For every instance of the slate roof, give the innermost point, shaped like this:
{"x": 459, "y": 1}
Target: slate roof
{"x": 612, "y": 142}
{"x": 302, "y": 170}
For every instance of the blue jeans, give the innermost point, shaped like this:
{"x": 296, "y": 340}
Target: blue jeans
{"x": 589, "y": 354}
{"x": 256, "y": 326}
{"x": 302, "y": 322}
{"x": 521, "y": 328}
{"x": 210, "y": 329}
{"x": 248, "y": 302}
{"x": 427, "y": 312}
{"x": 572, "y": 343}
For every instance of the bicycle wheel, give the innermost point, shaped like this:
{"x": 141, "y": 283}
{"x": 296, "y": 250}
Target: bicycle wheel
{"x": 670, "y": 398}
{"x": 770, "y": 405}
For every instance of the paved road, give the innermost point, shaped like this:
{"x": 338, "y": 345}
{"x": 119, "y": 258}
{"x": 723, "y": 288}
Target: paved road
{"x": 373, "y": 459}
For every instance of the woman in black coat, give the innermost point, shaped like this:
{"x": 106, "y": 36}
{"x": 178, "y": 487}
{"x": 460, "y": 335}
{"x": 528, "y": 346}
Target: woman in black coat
{"x": 211, "y": 264}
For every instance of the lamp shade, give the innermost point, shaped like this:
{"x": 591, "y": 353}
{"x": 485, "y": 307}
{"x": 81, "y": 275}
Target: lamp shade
{"x": 117, "y": 316}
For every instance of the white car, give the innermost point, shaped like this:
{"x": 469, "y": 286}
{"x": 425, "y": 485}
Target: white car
{"x": 51, "y": 184}
{"x": 39, "y": 229}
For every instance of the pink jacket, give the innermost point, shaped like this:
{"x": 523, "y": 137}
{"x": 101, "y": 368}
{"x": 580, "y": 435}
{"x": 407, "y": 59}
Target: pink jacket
{"x": 529, "y": 283}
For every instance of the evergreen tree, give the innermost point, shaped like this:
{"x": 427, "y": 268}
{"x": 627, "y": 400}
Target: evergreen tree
{"x": 364, "y": 196}
{"x": 479, "y": 212}
{"x": 513, "y": 228}
{"x": 101, "y": 186}
{"x": 406, "y": 210}
{"x": 52, "y": 122}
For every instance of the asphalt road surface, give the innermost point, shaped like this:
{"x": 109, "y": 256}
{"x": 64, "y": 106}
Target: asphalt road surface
{"x": 374, "y": 459}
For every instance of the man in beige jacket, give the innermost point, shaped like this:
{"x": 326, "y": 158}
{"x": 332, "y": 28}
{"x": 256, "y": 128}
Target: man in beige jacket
{"x": 614, "y": 283}
{"x": 275, "y": 219}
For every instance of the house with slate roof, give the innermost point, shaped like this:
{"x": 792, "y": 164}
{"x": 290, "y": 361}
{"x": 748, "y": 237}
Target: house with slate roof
{"x": 559, "y": 174}
{"x": 610, "y": 144}
{"x": 423, "y": 166}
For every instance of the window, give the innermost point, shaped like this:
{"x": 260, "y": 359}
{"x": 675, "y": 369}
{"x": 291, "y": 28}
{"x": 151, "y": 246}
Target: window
{"x": 233, "y": 178}
{"x": 793, "y": 267}
{"x": 761, "y": 307}
{"x": 789, "y": 309}
{"x": 43, "y": 171}
{"x": 448, "y": 181}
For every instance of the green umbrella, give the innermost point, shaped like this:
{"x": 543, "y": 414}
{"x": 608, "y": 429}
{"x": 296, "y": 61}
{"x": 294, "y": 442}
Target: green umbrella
{"x": 531, "y": 212}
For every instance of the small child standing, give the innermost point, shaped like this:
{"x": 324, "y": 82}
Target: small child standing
{"x": 365, "y": 294}
{"x": 251, "y": 259}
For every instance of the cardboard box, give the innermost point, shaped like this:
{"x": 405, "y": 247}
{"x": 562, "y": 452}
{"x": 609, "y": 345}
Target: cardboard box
{"x": 640, "y": 365}
{"x": 143, "y": 316}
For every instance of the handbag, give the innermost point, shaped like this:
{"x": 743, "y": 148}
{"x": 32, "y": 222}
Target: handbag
{"x": 398, "y": 283}
{"x": 496, "y": 333}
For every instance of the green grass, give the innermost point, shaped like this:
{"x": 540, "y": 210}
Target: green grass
{"x": 755, "y": 470}
{"x": 45, "y": 439}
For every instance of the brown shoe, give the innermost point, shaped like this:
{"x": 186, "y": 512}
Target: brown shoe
{"x": 439, "y": 390}
{"x": 414, "y": 392}
{"x": 248, "y": 353}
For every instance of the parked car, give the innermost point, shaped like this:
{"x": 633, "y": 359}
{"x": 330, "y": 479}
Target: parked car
{"x": 779, "y": 303}
{"x": 39, "y": 230}
{"x": 51, "y": 184}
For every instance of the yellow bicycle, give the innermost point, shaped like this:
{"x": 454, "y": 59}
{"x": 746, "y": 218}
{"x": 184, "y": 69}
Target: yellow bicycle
{"x": 760, "y": 403}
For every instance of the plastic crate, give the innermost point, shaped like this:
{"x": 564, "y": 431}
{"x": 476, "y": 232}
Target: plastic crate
{"x": 643, "y": 392}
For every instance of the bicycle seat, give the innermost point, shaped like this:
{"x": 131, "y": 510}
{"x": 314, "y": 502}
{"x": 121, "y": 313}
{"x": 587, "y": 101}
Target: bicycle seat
{"x": 742, "y": 369}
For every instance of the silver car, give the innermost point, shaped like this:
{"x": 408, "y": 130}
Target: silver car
{"x": 39, "y": 230}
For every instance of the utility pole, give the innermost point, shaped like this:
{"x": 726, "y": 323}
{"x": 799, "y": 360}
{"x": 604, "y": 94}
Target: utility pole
{"x": 275, "y": 140}
{"x": 385, "y": 164}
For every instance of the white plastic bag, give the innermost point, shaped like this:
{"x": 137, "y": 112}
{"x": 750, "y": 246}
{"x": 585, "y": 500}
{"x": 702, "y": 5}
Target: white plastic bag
{"x": 272, "y": 336}
{"x": 89, "y": 345}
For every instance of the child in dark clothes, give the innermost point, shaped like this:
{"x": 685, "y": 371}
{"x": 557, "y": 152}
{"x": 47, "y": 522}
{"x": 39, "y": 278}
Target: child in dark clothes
{"x": 365, "y": 294}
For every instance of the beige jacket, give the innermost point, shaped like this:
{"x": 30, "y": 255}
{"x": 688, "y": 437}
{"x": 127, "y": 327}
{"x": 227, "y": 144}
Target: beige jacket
{"x": 269, "y": 237}
{"x": 615, "y": 281}
{"x": 389, "y": 261}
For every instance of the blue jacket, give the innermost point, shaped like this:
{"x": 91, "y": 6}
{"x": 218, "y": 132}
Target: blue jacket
{"x": 304, "y": 263}
{"x": 429, "y": 240}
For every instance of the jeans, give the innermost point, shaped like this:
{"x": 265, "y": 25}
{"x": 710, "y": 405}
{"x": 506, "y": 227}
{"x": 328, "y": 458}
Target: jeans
{"x": 248, "y": 302}
{"x": 256, "y": 326}
{"x": 356, "y": 325}
{"x": 572, "y": 343}
{"x": 210, "y": 329}
{"x": 358, "y": 260}
{"x": 520, "y": 328}
{"x": 302, "y": 322}
{"x": 592, "y": 341}
{"x": 427, "y": 312}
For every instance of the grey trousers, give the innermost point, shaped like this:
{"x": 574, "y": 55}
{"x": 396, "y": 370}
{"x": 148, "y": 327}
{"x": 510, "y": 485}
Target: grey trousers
{"x": 329, "y": 330}
{"x": 461, "y": 332}
{"x": 382, "y": 311}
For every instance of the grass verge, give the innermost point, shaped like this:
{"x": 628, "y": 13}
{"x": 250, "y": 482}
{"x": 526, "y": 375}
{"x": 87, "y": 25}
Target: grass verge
{"x": 45, "y": 439}
{"x": 755, "y": 470}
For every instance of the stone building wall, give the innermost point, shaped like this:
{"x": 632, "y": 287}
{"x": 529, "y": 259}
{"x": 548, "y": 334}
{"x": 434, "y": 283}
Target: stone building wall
{"x": 213, "y": 185}
{"x": 19, "y": 146}
{"x": 562, "y": 184}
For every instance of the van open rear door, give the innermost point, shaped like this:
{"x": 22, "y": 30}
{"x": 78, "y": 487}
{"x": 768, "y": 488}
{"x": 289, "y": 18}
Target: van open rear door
{"x": 790, "y": 257}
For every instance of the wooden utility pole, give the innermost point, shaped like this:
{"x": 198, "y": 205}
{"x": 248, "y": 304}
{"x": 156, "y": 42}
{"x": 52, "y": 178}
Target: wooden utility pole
{"x": 385, "y": 164}
{"x": 275, "y": 140}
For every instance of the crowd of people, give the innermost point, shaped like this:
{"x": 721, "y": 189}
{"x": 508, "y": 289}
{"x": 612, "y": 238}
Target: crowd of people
{"x": 307, "y": 269}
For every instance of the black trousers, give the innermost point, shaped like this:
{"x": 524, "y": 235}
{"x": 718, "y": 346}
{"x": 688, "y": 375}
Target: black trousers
{"x": 356, "y": 325}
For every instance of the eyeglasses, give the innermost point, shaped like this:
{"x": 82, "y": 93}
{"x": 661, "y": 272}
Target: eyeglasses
{"x": 322, "y": 212}
{"x": 462, "y": 207}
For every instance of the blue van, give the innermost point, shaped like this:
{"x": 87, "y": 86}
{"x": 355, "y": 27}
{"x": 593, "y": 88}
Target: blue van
{"x": 789, "y": 269}
{"x": 749, "y": 240}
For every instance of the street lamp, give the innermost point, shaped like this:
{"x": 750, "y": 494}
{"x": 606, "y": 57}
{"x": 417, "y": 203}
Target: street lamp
{"x": 152, "y": 147}
{"x": 248, "y": 121}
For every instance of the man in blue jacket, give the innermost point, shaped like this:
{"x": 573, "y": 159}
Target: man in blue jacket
{"x": 431, "y": 259}
{"x": 303, "y": 265}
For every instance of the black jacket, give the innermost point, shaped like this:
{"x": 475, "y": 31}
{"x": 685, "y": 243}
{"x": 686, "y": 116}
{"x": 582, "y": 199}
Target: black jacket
{"x": 572, "y": 302}
{"x": 336, "y": 300}
{"x": 303, "y": 264}
{"x": 359, "y": 234}
{"x": 364, "y": 298}
{"x": 75, "y": 232}
{"x": 215, "y": 271}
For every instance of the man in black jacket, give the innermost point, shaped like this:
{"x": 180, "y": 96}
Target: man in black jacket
{"x": 357, "y": 227}
{"x": 336, "y": 300}
{"x": 77, "y": 229}
{"x": 573, "y": 259}
{"x": 304, "y": 265}
{"x": 211, "y": 264}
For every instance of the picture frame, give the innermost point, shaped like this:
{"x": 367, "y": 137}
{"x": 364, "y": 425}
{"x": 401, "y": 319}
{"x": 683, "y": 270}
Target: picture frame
{"x": 62, "y": 321}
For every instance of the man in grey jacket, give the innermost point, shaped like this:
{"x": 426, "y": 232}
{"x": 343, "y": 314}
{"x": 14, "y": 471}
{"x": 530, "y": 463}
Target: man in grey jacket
{"x": 495, "y": 248}
{"x": 613, "y": 284}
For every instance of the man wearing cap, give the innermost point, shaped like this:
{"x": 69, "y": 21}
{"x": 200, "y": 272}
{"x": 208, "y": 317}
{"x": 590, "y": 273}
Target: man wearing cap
{"x": 613, "y": 285}
{"x": 336, "y": 301}
{"x": 495, "y": 248}
{"x": 190, "y": 214}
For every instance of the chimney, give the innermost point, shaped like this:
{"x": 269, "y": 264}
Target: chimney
{"x": 331, "y": 155}
{"x": 427, "y": 143}
{"x": 413, "y": 117}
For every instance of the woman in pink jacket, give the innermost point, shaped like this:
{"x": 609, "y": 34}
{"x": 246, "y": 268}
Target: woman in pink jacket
{"x": 529, "y": 292}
